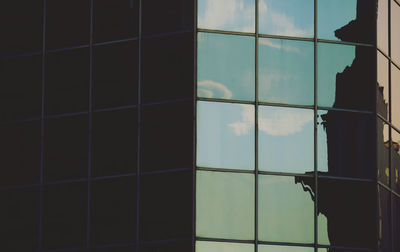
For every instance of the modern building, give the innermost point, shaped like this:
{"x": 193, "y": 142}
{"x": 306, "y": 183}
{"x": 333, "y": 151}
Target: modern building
{"x": 200, "y": 125}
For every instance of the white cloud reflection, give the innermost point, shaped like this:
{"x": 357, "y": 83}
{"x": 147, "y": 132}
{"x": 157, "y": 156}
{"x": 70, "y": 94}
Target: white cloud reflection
{"x": 208, "y": 88}
{"x": 279, "y": 46}
{"x": 274, "y": 121}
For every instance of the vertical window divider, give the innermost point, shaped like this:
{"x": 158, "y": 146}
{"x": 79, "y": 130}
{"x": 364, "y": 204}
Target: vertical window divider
{"x": 256, "y": 131}
{"x": 42, "y": 126}
{"x": 194, "y": 126}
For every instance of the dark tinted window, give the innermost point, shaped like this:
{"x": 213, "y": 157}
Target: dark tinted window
{"x": 168, "y": 247}
{"x": 396, "y": 223}
{"x": 115, "y": 249}
{"x": 68, "y": 23}
{"x": 167, "y": 136}
{"x": 166, "y": 206}
{"x": 21, "y": 88}
{"x": 114, "y": 142}
{"x": 113, "y": 204}
{"x": 114, "y": 20}
{"x": 65, "y": 215}
{"x": 67, "y": 86}
{"x": 160, "y": 16}
{"x": 66, "y": 147}
{"x": 115, "y": 74}
{"x": 19, "y": 217}
{"x": 20, "y": 153}
{"x": 167, "y": 67}
{"x": 384, "y": 236}
{"x": 383, "y": 151}
{"x": 21, "y": 30}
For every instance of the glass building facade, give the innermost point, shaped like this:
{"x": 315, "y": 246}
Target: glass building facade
{"x": 200, "y": 125}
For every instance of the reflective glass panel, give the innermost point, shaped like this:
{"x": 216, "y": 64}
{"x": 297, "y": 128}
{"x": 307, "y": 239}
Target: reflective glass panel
{"x": 228, "y": 15}
{"x": 347, "y": 213}
{"x": 285, "y": 209}
{"x": 225, "y": 135}
{"x": 273, "y": 248}
{"x": 395, "y": 155}
{"x": 395, "y": 31}
{"x": 225, "y": 66}
{"x": 346, "y": 144}
{"x": 225, "y": 205}
{"x": 383, "y": 151}
{"x": 395, "y": 96}
{"x": 286, "y": 71}
{"x": 289, "y": 18}
{"x": 382, "y": 25}
{"x": 396, "y": 223}
{"x": 285, "y": 139}
{"x": 382, "y": 94}
{"x": 185, "y": 246}
{"x": 347, "y": 20}
{"x": 384, "y": 220}
{"x": 204, "y": 246}
{"x": 346, "y": 79}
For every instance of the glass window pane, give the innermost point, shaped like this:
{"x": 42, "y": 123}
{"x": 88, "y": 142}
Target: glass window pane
{"x": 384, "y": 220}
{"x": 273, "y": 248}
{"x": 346, "y": 144}
{"x": 285, "y": 139}
{"x": 65, "y": 215}
{"x": 185, "y": 246}
{"x": 21, "y": 88}
{"x": 383, "y": 151}
{"x": 20, "y": 219}
{"x": 20, "y": 153}
{"x": 114, "y": 142}
{"x": 225, "y": 67}
{"x": 225, "y": 135}
{"x": 396, "y": 223}
{"x": 115, "y": 74}
{"x": 204, "y": 246}
{"x": 228, "y": 15}
{"x": 286, "y": 71}
{"x": 113, "y": 211}
{"x": 115, "y": 249}
{"x": 285, "y": 209}
{"x": 395, "y": 96}
{"x": 114, "y": 20}
{"x": 166, "y": 204}
{"x": 225, "y": 205}
{"x": 68, "y": 23}
{"x": 346, "y": 79}
{"x": 289, "y": 18}
{"x": 382, "y": 25}
{"x": 382, "y": 96}
{"x": 68, "y": 81}
{"x": 395, "y": 31}
{"x": 395, "y": 154}
{"x": 66, "y": 148}
{"x": 347, "y": 20}
{"x": 347, "y": 213}
{"x": 21, "y": 31}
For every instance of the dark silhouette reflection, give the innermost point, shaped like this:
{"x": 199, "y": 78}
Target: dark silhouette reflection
{"x": 395, "y": 156}
{"x": 346, "y": 147}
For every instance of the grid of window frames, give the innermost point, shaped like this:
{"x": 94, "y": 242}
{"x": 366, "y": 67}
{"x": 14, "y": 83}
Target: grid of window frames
{"x": 96, "y": 125}
{"x": 287, "y": 149}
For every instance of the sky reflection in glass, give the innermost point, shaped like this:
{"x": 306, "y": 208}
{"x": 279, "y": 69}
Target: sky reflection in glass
{"x": 289, "y": 18}
{"x": 225, "y": 135}
{"x": 205, "y": 246}
{"x": 228, "y": 15}
{"x": 285, "y": 210}
{"x": 286, "y": 70}
{"x": 285, "y": 139}
{"x": 273, "y": 248}
{"x": 226, "y": 66}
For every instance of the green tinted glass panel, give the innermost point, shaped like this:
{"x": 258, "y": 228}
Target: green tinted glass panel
{"x": 225, "y": 205}
{"x": 229, "y": 15}
{"x": 273, "y": 248}
{"x": 203, "y": 246}
{"x": 286, "y": 71}
{"x": 290, "y": 17}
{"x": 225, "y": 135}
{"x": 225, "y": 67}
{"x": 285, "y": 210}
{"x": 285, "y": 139}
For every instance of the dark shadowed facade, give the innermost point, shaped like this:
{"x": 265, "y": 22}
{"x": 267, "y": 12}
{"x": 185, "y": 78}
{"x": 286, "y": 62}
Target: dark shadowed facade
{"x": 200, "y": 125}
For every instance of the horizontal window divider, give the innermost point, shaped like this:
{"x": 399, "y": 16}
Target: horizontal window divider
{"x": 68, "y": 48}
{"x": 289, "y": 174}
{"x": 165, "y": 241}
{"x": 347, "y": 248}
{"x": 396, "y": 194}
{"x": 285, "y": 105}
{"x": 343, "y": 43}
{"x": 115, "y": 108}
{"x": 251, "y": 34}
{"x": 114, "y": 245}
{"x": 225, "y": 100}
{"x": 286, "y": 244}
{"x": 347, "y": 178}
{"x": 166, "y": 171}
{"x": 224, "y": 240}
{"x": 67, "y": 181}
{"x": 111, "y": 42}
{"x": 50, "y": 116}
{"x": 383, "y": 53}
{"x": 20, "y": 55}
{"x": 285, "y": 37}
{"x": 133, "y": 174}
{"x": 346, "y": 110}
{"x": 382, "y": 118}
{"x": 167, "y": 102}
{"x": 166, "y": 34}
{"x": 384, "y": 186}
{"x": 15, "y": 187}
{"x": 31, "y": 119}
{"x": 199, "y": 168}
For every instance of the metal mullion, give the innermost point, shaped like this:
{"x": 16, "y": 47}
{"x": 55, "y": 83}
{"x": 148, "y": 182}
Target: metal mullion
{"x": 315, "y": 124}
{"x": 250, "y": 34}
{"x": 256, "y": 130}
{"x": 42, "y": 128}
{"x": 194, "y": 126}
